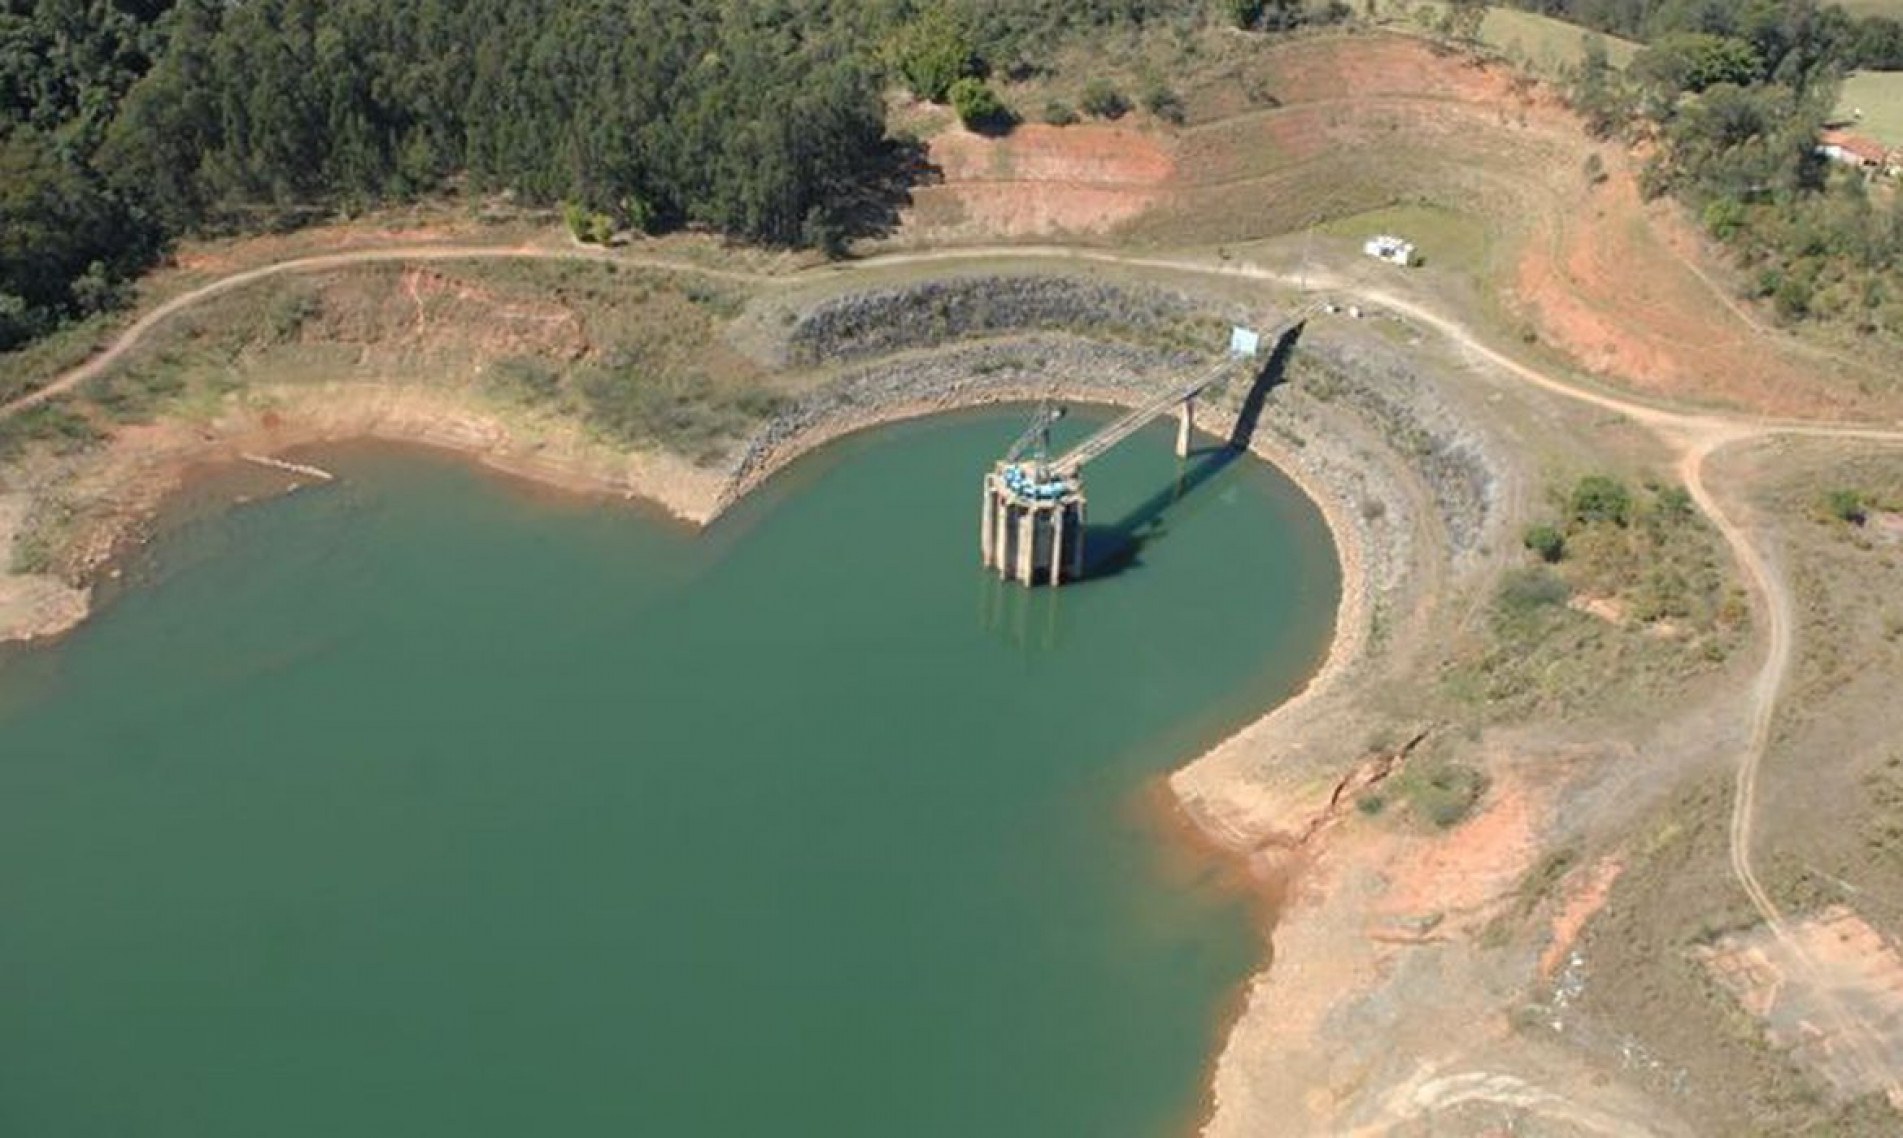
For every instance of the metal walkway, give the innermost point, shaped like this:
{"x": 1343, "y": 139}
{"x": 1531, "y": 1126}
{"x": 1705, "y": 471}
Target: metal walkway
{"x": 1135, "y": 420}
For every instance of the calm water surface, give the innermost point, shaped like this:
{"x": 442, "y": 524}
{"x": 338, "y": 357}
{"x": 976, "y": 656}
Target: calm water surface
{"x": 419, "y": 805}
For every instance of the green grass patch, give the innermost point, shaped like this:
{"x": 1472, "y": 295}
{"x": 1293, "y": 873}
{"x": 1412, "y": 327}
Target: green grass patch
{"x": 1445, "y": 238}
{"x": 1654, "y": 607}
{"x": 682, "y": 410}
{"x": 35, "y": 365}
{"x": 1890, "y": 8}
{"x": 1440, "y": 792}
{"x": 1879, "y": 95}
{"x": 1539, "y": 43}
{"x": 137, "y": 392}
{"x": 525, "y": 380}
{"x": 1545, "y": 44}
{"x": 55, "y": 422}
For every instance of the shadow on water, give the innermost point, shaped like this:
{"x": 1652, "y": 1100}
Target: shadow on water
{"x": 1118, "y": 547}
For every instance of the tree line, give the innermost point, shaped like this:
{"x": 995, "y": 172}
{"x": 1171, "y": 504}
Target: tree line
{"x": 130, "y": 122}
{"x": 1821, "y": 30}
{"x": 1729, "y": 100}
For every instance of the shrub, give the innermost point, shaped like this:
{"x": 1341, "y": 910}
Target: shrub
{"x": 1104, "y": 101}
{"x": 1244, "y": 14}
{"x": 588, "y": 226}
{"x": 1547, "y": 542}
{"x": 1601, "y": 498}
{"x": 1165, "y": 104}
{"x": 1674, "y": 503}
{"x": 1446, "y": 794}
{"x": 1059, "y": 113}
{"x": 978, "y": 106}
{"x": 1846, "y": 506}
{"x": 524, "y": 379}
{"x": 1526, "y": 591}
{"x": 54, "y": 421}
{"x": 289, "y": 313}
{"x": 934, "y": 52}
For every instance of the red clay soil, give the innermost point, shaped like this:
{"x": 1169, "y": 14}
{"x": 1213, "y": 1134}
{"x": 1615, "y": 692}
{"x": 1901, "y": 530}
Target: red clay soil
{"x": 1042, "y": 181}
{"x": 1629, "y": 291}
{"x": 1626, "y": 289}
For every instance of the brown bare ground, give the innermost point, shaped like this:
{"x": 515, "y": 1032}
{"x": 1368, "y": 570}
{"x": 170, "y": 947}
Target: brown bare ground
{"x": 1585, "y": 893}
{"x": 1041, "y": 181}
{"x": 1832, "y": 957}
{"x": 1625, "y": 289}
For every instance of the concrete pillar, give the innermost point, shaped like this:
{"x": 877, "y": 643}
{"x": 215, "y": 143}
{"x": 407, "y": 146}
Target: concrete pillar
{"x": 987, "y": 522}
{"x": 1027, "y": 545}
{"x": 1077, "y": 545}
{"x": 1057, "y": 545}
{"x": 1003, "y": 550}
{"x": 1186, "y": 420}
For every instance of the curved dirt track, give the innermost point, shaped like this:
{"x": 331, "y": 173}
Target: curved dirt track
{"x": 1693, "y": 438}
{"x": 138, "y": 330}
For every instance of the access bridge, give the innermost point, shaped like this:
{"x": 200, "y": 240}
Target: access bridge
{"x": 1032, "y": 526}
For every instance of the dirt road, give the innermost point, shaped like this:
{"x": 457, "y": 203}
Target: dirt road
{"x": 1693, "y": 437}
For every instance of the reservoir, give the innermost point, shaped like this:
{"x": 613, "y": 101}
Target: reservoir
{"x": 424, "y": 804}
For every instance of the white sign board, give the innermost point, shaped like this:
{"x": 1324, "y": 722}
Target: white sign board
{"x": 1243, "y": 342}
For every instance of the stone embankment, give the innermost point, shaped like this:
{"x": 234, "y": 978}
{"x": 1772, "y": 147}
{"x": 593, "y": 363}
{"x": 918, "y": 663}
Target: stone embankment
{"x": 881, "y": 322}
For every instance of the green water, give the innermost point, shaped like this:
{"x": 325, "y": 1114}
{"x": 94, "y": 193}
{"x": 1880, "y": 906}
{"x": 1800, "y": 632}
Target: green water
{"x": 421, "y": 804}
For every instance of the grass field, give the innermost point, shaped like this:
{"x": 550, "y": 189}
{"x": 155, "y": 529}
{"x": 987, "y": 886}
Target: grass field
{"x": 1891, "y": 8}
{"x": 1879, "y": 95}
{"x": 1444, "y": 238}
{"x": 1544, "y": 44}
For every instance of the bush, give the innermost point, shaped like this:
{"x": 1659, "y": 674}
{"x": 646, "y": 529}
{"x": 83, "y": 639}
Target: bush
{"x": 1104, "y": 101}
{"x": 978, "y": 106}
{"x": 524, "y": 379}
{"x": 54, "y": 421}
{"x": 1526, "y": 591}
{"x": 1600, "y": 498}
{"x": 588, "y": 226}
{"x": 1846, "y": 506}
{"x": 1165, "y": 104}
{"x": 1447, "y": 793}
{"x": 934, "y": 52}
{"x": 1547, "y": 542}
{"x": 1244, "y": 14}
{"x": 1674, "y": 503}
{"x": 1059, "y": 113}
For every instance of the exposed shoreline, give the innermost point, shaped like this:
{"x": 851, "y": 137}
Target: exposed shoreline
{"x": 1223, "y": 810}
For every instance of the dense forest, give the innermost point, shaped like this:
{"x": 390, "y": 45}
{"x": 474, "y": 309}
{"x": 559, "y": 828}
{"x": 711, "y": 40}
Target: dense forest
{"x": 128, "y": 123}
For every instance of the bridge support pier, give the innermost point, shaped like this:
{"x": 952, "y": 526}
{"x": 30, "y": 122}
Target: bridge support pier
{"x": 1185, "y": 423}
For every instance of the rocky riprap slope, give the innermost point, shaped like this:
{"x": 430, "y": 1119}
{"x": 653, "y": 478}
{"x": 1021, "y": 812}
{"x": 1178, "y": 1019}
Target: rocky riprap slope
{"x": 884, "y": 321}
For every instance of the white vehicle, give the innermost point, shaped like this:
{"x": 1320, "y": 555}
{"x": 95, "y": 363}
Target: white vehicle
{"x": 1390, "y": 249}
